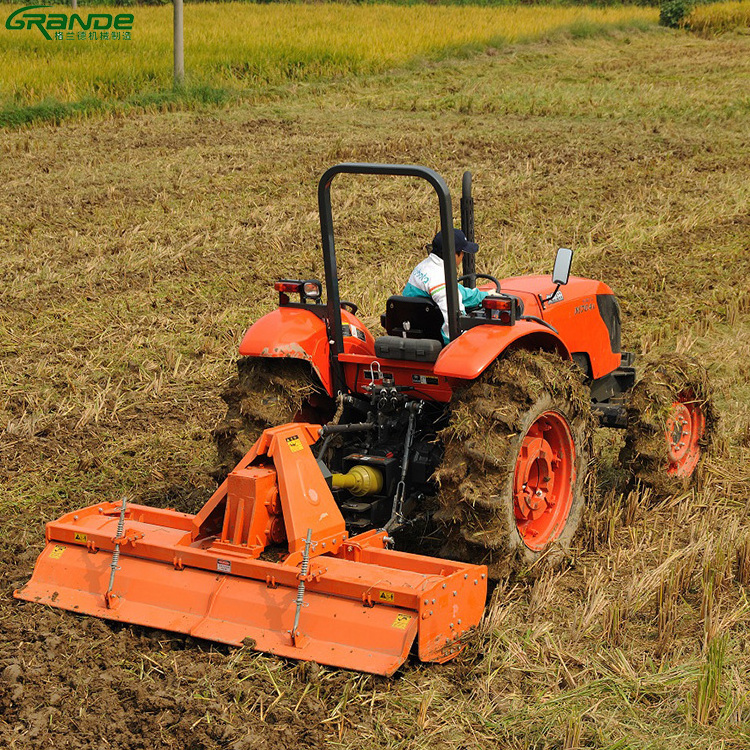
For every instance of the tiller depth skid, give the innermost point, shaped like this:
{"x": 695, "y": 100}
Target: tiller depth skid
{"x": 345, "y": 602}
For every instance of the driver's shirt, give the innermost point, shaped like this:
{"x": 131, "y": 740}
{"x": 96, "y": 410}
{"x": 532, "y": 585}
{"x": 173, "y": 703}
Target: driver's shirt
{"x": 428, "y": 280}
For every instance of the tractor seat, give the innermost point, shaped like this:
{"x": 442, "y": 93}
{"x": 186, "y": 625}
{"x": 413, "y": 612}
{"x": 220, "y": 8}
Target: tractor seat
{"x": 413, "y": 325}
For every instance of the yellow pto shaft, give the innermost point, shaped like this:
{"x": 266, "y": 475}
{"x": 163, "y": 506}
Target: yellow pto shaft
{"x": 359, "y": 480}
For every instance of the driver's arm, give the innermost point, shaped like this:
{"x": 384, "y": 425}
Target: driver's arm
{"x": 471, "y": 297}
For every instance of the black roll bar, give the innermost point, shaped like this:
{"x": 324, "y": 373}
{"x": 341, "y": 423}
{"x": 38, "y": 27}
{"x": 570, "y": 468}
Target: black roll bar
{"x": 333, "y": 299}
{"x": 467, "y": 227}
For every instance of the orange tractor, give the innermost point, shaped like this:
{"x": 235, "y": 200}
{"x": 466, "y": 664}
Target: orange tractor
{"x": 339, "y": 447}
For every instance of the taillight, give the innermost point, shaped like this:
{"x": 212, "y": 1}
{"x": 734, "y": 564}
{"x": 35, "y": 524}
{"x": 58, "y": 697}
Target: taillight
{"x": 288, "y": 287}
{"x": 497, "y": 303}
{"x": 504, "y": 309}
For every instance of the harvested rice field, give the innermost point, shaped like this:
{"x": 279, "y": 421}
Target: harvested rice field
{"x": 138, "y": 247}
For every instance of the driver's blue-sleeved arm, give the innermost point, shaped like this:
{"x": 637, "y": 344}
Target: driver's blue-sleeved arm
{"x": 471, "y": 297}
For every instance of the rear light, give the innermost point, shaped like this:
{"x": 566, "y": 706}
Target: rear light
{"x": 307, "y": 290}
{"x": 497, "y": 303}
{"x": 502, "y": 308}
{"x": 288, "y": 287}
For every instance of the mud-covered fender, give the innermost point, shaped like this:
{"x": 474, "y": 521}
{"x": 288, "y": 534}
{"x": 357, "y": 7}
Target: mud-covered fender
{"x": 301, "y": 334}
{"x": 473, "y": 351}
{"x": 291, "y": 332}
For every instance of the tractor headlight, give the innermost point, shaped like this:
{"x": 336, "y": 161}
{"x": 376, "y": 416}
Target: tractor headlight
{"x": 312, "y": 289}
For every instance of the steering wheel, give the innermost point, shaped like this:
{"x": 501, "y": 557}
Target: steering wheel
{"x": 350, "y": 306}
{"x": 481, "y": 276}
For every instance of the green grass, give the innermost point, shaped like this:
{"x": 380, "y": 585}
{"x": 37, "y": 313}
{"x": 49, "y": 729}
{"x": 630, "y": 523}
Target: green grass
{"x": 54, "y": 111}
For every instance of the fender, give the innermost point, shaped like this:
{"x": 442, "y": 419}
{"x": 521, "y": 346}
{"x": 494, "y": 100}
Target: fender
{"x": 291, "y": 332}
{"x": 473, "y": 351}
{"x": 297, "y": 333}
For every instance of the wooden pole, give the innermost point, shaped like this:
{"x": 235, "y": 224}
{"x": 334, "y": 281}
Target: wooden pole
{"x": 179, "y": 58}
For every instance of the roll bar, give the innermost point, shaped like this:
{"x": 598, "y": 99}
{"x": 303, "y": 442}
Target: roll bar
{"x": 333, "y": 299}
{"x": 467, "y": 227}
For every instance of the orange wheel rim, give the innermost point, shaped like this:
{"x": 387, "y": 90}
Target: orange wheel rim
{"x": 543, "y": 480}
{"x": 686, "y": 424}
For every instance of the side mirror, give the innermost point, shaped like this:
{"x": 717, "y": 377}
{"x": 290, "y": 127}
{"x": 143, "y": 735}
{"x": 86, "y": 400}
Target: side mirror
{"x": 563, "y": 261}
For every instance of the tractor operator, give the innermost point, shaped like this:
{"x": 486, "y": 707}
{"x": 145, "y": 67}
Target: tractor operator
{"x": 428, "y": 278}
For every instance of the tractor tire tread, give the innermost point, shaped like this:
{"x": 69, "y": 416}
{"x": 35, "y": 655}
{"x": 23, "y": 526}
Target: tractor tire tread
{"x": 488, "y": 420}
{"x": 645, "y": 452}
{"x": 266, "y": 392}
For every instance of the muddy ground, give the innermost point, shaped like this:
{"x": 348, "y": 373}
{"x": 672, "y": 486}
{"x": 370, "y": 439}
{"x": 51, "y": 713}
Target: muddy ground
{"x": 135, "y": 251}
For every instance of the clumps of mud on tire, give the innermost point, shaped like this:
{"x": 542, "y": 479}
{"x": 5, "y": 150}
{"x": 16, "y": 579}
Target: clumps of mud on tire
{"x": 488, "y": 422}
{"x": 266, "y": 392}
{"x": 645, "y": 453}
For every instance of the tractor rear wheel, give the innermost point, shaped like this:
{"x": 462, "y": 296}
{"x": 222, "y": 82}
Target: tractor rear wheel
{"x": 671, "y": 421}
{"x": 266, "y": 392}
{"x": 517, "y": 452}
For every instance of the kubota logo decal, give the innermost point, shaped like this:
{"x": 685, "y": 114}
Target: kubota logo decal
{"x": 73, "y": 26}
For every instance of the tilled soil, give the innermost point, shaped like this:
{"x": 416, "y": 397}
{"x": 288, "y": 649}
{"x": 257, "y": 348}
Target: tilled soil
{"x": 69, "y": 681}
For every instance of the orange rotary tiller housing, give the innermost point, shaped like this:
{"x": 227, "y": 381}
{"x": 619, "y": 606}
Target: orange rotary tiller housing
{"x": 338, "y": 600}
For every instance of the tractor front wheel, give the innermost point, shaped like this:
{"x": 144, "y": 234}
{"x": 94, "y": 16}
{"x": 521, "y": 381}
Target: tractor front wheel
{"x": 517, "y": 453}
{"x": 671, "y": 420}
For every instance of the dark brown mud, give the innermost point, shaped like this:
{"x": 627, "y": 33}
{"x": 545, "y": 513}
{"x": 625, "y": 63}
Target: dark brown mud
{"x": 265, "y": 393}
